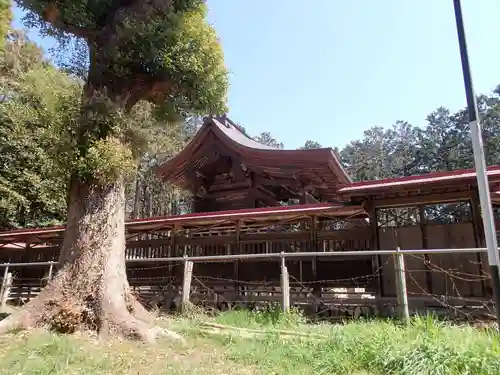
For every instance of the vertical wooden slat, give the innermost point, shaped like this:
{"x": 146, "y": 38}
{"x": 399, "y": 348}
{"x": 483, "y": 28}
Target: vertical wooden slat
{"x": 375, "y": 244}
{"x": 425, "y": 245}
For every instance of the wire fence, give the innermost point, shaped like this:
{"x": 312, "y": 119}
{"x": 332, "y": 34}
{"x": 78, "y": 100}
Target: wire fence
{"x": 158, "y": 281}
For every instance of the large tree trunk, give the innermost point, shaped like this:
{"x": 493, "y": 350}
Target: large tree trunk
{"x": 90, "y": 290}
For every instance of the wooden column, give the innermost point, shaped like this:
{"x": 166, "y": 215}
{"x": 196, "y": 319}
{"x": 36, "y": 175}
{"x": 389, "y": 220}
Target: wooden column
{"x": 172, "y": 250}
{"x": 375, "y": 244}
{"x": 186, "y": 247}
{"x": 237, "y": 262}
{"x": 477, "y": 225}
{"x": 315, "y": 248}
{"x": 253, "y": 191}
{"x": 425, "y": 244}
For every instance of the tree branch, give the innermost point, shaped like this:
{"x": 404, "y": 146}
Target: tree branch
{"x": 147, "y": 88}
{"x": 108, "y": 15}
{"x": 51, "y": 14}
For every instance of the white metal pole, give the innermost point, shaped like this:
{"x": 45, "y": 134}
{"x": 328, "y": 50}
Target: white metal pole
{"x": 480, "y": 162}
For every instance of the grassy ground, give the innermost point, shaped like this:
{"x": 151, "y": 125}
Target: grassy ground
{"x": 362, "y": 348}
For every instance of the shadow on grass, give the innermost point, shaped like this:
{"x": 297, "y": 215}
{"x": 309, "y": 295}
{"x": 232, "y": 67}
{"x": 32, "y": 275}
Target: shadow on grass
{"x": 4, "y": 315}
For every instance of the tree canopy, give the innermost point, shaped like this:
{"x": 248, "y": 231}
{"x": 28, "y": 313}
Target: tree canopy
{"x": 5, "y": 17}
{"x": 163, "y": 51}
{"x": 151, "y": 65}
{"x": 34, "y": 120}
{"x": 442, "y": 144}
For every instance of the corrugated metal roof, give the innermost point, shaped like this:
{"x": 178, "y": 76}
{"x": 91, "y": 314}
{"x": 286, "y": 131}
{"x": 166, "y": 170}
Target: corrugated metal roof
{"x": 200, "y": 219}
{"x": 462, "y": 175}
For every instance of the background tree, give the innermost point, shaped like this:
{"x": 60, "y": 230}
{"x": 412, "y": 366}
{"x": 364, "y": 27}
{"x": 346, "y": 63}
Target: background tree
{"x": 152, "y": 197}
{"x": 33, "y": 99}
{"x": 310, "y": 144}
{"x": 267, "y": 139}
{"x": 5, "y": 17}
{"x": 163, "y": 52}
{"x": 443, "y": 144}
{"x": 32, "y": 184}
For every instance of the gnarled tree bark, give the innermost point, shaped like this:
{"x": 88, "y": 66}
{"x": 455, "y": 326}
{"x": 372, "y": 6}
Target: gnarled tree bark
{"x": 90, "y": 290}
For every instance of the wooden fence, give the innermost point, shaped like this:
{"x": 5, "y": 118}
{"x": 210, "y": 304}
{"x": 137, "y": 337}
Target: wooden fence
{"x": 182, "y": 279}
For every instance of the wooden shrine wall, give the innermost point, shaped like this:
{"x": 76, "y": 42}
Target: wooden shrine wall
{"x": 433, "y": 276}
{"x": 453, "y": 275}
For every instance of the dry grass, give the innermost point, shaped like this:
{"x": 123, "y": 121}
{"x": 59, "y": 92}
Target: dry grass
{"x": 45, "y": 353}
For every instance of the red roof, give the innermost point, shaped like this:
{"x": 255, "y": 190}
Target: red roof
{"x": 434, "y": 179}
{"x": 206, "y": 218}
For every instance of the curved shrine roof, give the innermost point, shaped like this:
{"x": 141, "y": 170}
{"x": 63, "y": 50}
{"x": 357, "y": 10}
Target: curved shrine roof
{"x": 319, "y": 167}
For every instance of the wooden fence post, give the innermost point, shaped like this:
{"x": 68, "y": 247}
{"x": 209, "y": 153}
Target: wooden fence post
{"x": 5, "y": 272}
{"x": 5, "y": 291}
{"x": 285, "y": 286}
{"x": 4, "y": 283}
{"x": 51, "y": 269}
{"x": 186, "y": 285}
{"x": 401, "y": 290}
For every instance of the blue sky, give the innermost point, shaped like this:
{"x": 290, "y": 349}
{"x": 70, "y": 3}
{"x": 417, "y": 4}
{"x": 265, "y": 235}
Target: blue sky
{"x": 329, "y": 70}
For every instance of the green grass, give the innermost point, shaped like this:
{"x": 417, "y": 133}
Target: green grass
{"x": 424, "y": 346}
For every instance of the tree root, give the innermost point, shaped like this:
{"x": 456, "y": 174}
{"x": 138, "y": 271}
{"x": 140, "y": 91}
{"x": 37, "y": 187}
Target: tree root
{"x": 137, "y": 309}
{"x": 67, "y": 315}
{"x": 128, "y": 325}
{"x": 136, "y": 329}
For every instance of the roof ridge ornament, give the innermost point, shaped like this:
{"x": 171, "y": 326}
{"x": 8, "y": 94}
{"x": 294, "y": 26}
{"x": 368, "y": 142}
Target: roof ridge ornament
{"x": 224, "y": 120}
